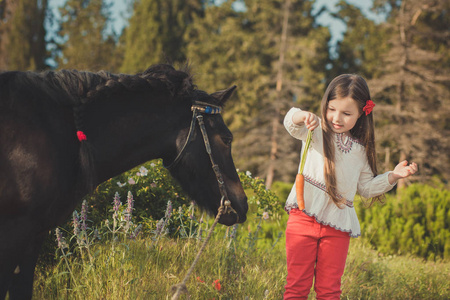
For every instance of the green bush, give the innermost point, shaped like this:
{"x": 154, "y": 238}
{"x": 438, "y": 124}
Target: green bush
{"x": 151, "y": 185}
{"x": 414, "y": 221}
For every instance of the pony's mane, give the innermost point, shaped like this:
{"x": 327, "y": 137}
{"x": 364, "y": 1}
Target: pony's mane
{"x": 83, "y": 87}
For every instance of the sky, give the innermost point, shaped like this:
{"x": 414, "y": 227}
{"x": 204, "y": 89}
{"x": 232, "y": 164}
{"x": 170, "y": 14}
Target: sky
{"x": 337, "y": 27}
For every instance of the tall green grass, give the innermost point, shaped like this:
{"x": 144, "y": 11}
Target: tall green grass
{"x": 247, "y": 264}
{"x": 111, "y": 260}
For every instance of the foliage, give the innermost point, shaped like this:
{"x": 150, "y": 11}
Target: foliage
{"x": 412, "y": 85}
{"x": 151, "y": 185}
{"x": 22, "y": 34}
{"x": 360, "y": 49}
{"x": 265, "y": 200}
{"x": 404, "y": 56}
{"x": 415, "y": 222}
{"x": 85, "y": 43}
{"x": 242, "y": 47}
{"x": 156, "y": 32}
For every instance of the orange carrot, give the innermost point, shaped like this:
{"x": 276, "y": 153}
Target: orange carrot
{"x": 299, "y": 188}
{"x": 300, "y": 179}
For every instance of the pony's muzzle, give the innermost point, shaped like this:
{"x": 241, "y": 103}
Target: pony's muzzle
{"x": 229, "y": 216}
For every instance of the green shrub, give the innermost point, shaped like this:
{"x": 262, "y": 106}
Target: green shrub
{"x": 414, "y": 221}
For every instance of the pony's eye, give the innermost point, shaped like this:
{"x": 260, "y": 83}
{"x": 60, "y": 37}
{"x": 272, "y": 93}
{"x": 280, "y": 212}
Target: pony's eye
{"x": 227, "y": 140}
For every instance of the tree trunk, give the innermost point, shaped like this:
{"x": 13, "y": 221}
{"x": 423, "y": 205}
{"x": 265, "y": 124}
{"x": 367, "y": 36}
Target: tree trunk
{"x": 387, "y": 159}
{"x": 401, "y": 184}
{"x": 401, "y": 89}
{"x": 277, "y": 104}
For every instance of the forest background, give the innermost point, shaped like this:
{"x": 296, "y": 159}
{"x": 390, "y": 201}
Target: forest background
{"x": 278, "y": 54}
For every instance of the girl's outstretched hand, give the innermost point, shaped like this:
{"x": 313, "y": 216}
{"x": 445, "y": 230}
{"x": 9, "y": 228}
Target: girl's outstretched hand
{"x": 402, "y": 170}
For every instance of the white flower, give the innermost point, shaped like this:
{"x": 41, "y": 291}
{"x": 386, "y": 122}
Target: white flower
{"x": 143, "y": 171}
{"x": 121, "y": 184}
{"x": 265, "y": 215}
{"x": 248, "y": 174}
{"x": 152, "y": 165}
{"x": 131, "y": 181}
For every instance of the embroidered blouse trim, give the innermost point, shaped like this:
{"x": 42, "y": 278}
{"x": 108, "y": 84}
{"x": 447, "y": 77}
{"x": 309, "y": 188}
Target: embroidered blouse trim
{"x": 349, "y": 231}
{"x": 322, "y": 186}
{"x": 346, "y": 146}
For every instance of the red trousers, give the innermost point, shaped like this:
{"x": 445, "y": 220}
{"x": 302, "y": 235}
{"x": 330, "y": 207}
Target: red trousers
{"x": 314, "y": 249}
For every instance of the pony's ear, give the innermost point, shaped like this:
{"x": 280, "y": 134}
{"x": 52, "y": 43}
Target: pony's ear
{"x": 224, "y": 95}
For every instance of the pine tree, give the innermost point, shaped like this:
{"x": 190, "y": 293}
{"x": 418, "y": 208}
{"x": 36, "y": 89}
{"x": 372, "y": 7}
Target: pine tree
{"x": 156, "y": 32}
{"x": 412, "y": 87}
{"x": 362, "y": 45}
{"x": 243, "y": 47}
{"x": 22, "y": 34}
{"x": 86, "y": 46}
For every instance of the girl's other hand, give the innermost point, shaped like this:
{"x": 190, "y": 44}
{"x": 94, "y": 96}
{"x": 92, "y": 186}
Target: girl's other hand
{"x": 310, "y": 120}
{"x": 402, "y": 170}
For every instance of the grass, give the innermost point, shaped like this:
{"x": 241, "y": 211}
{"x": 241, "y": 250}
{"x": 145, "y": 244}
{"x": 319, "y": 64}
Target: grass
{"x": 249, "y": 265}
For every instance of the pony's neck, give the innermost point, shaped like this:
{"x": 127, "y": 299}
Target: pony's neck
{"x": 128, "y": 132}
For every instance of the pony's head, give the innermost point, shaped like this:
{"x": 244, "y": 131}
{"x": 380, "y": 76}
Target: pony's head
{"x": 193, "y": 165}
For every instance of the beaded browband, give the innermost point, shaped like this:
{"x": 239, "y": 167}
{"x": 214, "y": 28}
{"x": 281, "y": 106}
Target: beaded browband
{"x": 206, "y": 108}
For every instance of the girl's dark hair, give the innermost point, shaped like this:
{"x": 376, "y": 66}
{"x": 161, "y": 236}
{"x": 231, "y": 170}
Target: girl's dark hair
{"x": 355, "y": 87}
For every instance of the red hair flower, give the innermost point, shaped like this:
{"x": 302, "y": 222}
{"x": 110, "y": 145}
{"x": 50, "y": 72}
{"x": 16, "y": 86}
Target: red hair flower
{"x": 217, "y": 285}
{"x": 369, "y": 106}
{"x": 81, "y": 136}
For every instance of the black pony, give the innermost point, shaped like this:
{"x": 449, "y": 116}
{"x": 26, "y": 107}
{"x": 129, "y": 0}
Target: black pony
{"x": 63, "y": 133}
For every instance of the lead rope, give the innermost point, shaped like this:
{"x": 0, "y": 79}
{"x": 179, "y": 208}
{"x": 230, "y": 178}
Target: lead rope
{"x": 225, "y": 207}
{"x": 179, "y": 288}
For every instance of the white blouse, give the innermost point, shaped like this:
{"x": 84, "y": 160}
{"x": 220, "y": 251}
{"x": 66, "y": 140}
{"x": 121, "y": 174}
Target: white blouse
{"x": 353, "y": 174}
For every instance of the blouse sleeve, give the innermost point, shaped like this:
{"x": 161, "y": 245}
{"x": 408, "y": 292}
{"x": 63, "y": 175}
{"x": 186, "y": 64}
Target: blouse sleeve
{"x": 371, "y": 186}
{"x": 297, "y": 131}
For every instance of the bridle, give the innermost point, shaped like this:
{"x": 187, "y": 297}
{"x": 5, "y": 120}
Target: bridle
{"x": 198, "y": 109}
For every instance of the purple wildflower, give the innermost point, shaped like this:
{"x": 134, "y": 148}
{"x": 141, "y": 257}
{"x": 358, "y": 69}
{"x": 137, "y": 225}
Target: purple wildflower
{"x": 76, "y": 223}
{"x": 116, "y": 204}
{"x": 62, "y": 244}
{"x": 130, "y": 204}
{"x": 168, "y": 210}
{"x": 159, "y": 226}
{"x": 83, "y": 215}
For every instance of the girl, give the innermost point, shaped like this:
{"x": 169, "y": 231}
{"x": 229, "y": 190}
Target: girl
{"x": 341, "y": 161}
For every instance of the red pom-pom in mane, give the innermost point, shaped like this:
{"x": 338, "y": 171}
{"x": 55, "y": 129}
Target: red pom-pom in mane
{"x": 81, "y": 136}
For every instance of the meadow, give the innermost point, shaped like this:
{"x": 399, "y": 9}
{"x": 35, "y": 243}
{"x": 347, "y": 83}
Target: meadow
{"x": 119, "y": 251}
{"x": 242, "y": 262}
